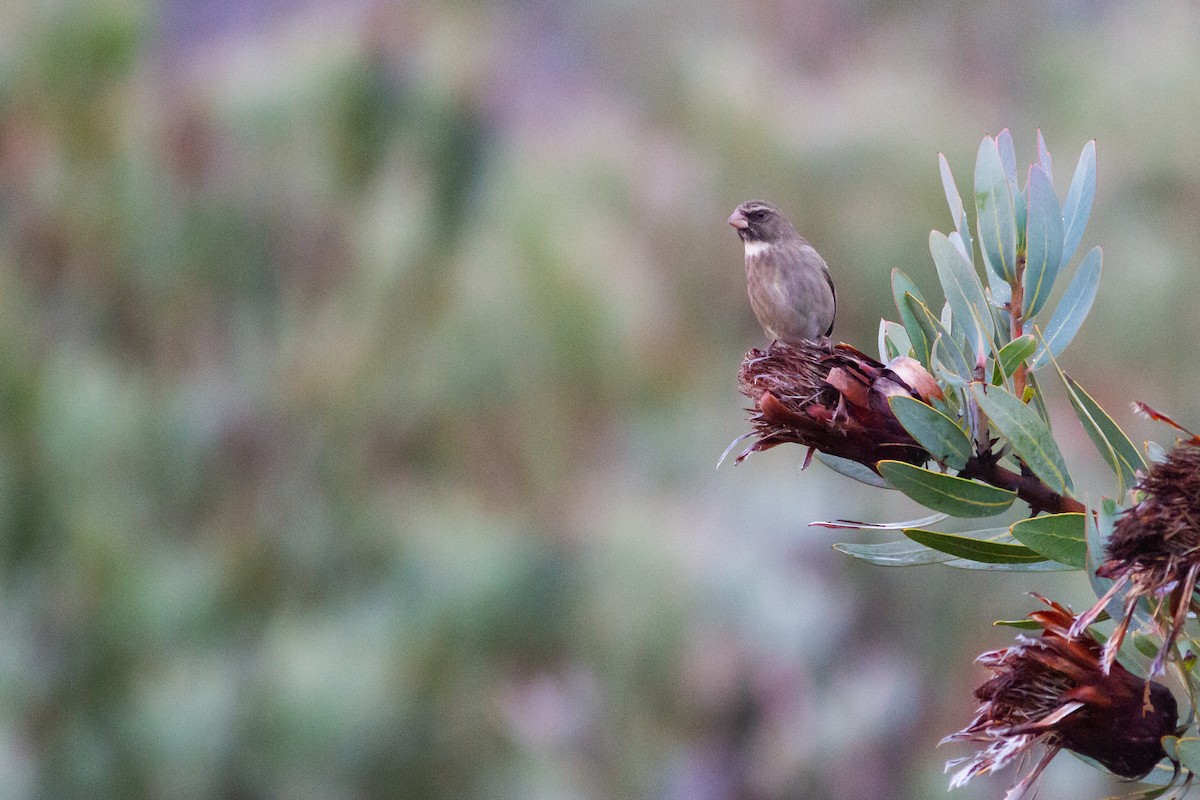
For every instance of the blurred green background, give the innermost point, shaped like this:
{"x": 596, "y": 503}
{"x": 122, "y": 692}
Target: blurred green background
{"x": 363, "y": 370}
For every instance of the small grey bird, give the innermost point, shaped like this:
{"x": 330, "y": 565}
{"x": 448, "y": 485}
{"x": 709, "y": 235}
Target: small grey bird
{"x": 789, "y": 285}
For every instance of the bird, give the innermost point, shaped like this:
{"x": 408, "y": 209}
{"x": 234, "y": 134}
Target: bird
{"x": 790, "y": 288}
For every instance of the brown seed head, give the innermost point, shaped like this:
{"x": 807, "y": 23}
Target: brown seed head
{"x": 1165, "y": 526}
{"x": 1154, "y": 550}
{"x": 832, "y": 398}
{"x": 1054, "y": 691}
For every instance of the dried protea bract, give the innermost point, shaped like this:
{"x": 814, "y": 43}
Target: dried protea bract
{"x": 833, "y": 398}
{"x": 1053, "y": 691}
{"x": 1154, "y": 550}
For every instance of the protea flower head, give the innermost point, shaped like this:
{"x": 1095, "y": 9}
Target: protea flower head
{"x": 832, "y": 398}
{"x": 1052, "y": 691}
{"x": 1154, "y": 551}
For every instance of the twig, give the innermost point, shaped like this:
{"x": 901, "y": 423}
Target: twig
{"x": 1038, "y": 495}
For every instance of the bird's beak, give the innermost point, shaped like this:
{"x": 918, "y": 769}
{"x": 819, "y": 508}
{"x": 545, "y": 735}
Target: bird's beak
{"x": 738, "y": 220}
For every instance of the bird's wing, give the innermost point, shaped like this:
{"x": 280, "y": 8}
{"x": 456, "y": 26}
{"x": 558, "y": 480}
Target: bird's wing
{"x": 833, "y": 293}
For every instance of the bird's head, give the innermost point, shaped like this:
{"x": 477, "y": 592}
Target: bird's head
{"x": 759, "y": 221}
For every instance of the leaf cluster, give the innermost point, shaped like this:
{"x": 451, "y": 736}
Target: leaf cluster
{"x": 990, "y": 341}
{"x": 985, "y": 342}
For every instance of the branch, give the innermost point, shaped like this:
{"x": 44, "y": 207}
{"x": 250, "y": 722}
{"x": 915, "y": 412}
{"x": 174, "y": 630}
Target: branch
{"x": 1038, "y": 495}
{"x": 1017, "y": 326}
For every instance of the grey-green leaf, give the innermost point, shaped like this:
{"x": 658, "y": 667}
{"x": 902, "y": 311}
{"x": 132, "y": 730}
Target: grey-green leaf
{"x": 1072, "y": 309}
{"x": 902, "y": 285}
{"x": 1188, "y": 751}
{"x": 1112, "y": 442}
{"x": 1098, "y": 528}
{"x": 1056, "y": 536}
{"x": 1037, "y": 400}
{"x": 903, "y": 553}
{"x": 953, "y": 198}
{"x": 964, "y": 292}
{"x": 850, "y": 524}
{"x": 956, "y": 239}
{"x": 948, "y": 493}
{"x": 995, "y": 212}
{"x": 1029, "y": 436}
{"x": 853, "y": 469}
{"x": 1023, "y": 566}
{"x": 1001, "y": 292}
{"x": 938, "y": 335}
{"x": 1044, "y": 242}
{"x": 893, "y": 340}
{"x": 933, "y": 430}
{"x": 1013, "y": 354}
{"x": 1008, "y": 157}
{"x": 1078, "y": 205}
{"x": 979, "y": 550}
{"x": 920, "y": 330}
{"x": 922, "y": 342}
{"x": 1044, "y": 160}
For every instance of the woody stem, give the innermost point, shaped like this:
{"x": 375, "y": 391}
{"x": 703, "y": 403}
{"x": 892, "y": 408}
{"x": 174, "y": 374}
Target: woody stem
{"x": 1038, "y": 495}
{"x": 1017, "y": 328}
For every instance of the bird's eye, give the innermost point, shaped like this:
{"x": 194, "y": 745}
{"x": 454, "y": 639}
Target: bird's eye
{"x": 758, "y": 215}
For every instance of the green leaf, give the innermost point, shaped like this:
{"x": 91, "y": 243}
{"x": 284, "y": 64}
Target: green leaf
{"x": 1056, "y": 536}
{"x": 1043, "y": 249}
{"x": 1019, "y": 211}
{"x": 1078, "y": 205}
{"x": 893, "y": 340}
{"x": 1013, "y": 354}
{"x": 948, "y": 493}
{"x": 1144, "y": 644}
{"x": 1024, "y": 566}
{"x": 853, "y": 469}
{"x": 933, "y": 430}
{"x": 850, "y": 524}
{"x": 1008, "y": 157}
{"x": 1114, "y": 446}
{"x": 995, "y": 212}
{"x": 922, "y": 342}
{"x": 979, "y": 550}
{"x": 953, "y": 199}
{"x": 941, "y": 337}
{"x": 923, "y": 332}
{"x": 1029, "y": 436}
{"x": 903, "y": 553}
{"x": 1044, "y": 160}
{"x": 1184, "y": 749}
{"x": 1098, "y": 530}
{"x": 1038, "y": 400}
{"x": 1187, "y": 748}
{"x": 956, "y": 239}
{"x": 961, "y": 237}
{"x": 1020, "y": 624}
{"x": 947, "y": 376}
{"x": 964, "y": 292}
{"x": 1001, "y": 296}
{"x": 1073, "y": 308}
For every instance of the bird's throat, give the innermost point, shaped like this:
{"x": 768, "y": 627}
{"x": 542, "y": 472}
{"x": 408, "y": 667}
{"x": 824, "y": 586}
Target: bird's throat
{"x": 755, "y": 248}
